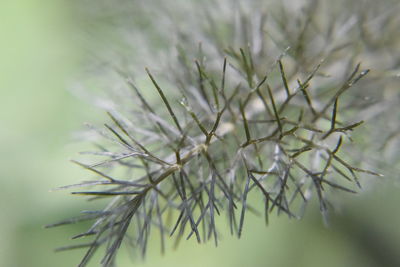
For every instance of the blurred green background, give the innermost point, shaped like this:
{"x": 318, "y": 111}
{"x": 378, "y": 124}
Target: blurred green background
{"x": 41, "y": 51}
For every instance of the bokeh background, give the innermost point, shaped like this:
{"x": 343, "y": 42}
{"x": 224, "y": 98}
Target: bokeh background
{"x": 45, "y": 46}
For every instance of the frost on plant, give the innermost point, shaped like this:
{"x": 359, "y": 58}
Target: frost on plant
{"x": 258, "y": 99}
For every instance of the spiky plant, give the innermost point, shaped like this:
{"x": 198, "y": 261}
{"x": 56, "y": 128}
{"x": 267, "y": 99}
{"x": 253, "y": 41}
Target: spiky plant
{"x": 254, "y": 102}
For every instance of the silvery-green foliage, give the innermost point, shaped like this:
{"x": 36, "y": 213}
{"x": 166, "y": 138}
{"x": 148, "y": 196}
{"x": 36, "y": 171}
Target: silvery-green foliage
{"x": 248, "y": 97}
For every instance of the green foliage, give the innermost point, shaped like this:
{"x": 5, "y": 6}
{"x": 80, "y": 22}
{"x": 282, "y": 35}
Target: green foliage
{"x": 262, "y": 100}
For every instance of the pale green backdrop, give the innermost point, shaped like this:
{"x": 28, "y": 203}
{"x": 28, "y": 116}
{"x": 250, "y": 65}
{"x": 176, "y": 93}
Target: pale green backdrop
{"x": 42, "y": 51}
